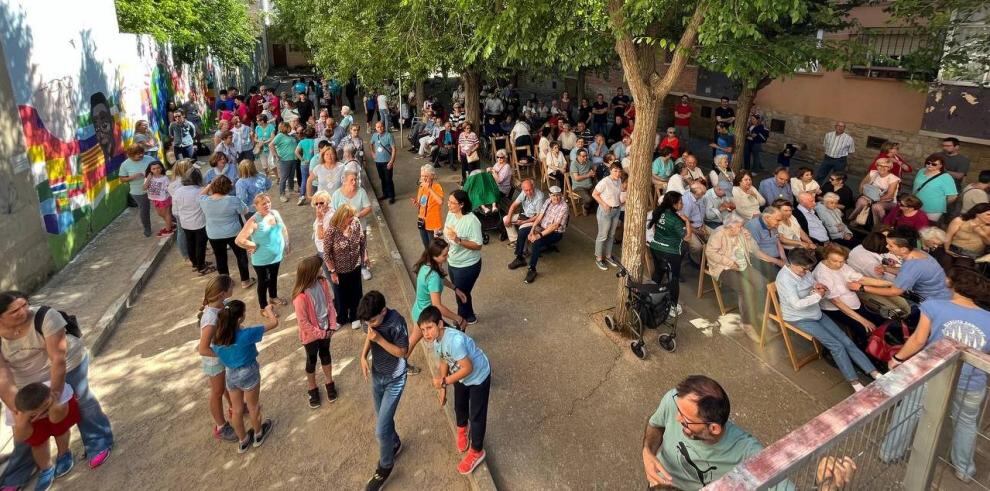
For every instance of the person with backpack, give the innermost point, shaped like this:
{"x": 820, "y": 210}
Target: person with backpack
{"x": 31, "y": 339}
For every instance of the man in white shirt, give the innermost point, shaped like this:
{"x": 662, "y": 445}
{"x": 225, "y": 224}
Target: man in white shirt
{"x": 838, "y": 145}
{"x": 383, "y": 113}
{"x": 493, "y": 107}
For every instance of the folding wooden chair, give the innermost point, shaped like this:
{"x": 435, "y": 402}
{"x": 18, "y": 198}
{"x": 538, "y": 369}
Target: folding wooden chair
{"x": 528, "y": 168}
{"x": 577, "y": 207}
{"x": 772, "y": 312}
{"x": 716, "y": 285}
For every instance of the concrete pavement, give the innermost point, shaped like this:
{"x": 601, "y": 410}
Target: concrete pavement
{"x": 569, "y": 402}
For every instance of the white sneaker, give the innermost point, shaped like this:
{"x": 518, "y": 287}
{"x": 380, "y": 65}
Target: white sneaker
{"x": 676, "y": 310}
{"x": 355, "y": 325}
{"x": 302, "y": 201}
{"x": 283, "y": 199}
{"x": 365, "y": 274}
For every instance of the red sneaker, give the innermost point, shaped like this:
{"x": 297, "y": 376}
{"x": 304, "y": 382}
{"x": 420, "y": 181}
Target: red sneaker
{"x": 470, "y": 461}
{"x": 462, "y": 438}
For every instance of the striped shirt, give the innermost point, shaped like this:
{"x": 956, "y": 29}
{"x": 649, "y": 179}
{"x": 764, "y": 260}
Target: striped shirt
{"x": 838, "y": 146}
{"x": 456, "y": 120}
{"x": 467, "y": 141}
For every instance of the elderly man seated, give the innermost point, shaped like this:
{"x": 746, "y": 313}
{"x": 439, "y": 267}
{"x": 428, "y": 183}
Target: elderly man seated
{"x": 777, "y": 187}
{"x": 718, "y": 205}
{"x": 694, "y": 209}
{"x": 523, "y": 210}
{"x": 549, "y": 227}
{"x": 431, "y": 132}
{"x": 763, "y": 228}
{"x": 809, "y": 220}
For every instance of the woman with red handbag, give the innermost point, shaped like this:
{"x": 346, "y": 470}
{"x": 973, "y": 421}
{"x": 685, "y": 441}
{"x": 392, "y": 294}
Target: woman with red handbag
{"x": 963, "y": 320}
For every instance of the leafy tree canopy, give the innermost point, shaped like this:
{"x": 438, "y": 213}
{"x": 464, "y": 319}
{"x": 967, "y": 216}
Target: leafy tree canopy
{"x": 225, "y": 29}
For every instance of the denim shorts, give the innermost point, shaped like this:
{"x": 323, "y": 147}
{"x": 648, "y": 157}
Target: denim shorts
{"x": 212, "y": 366}
{"x": 244, "y": 378}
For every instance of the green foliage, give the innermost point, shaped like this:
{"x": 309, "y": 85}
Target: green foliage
{"x": 224, "y": 28}
{"x": 760, "y": 43}
{"x": 955, "y": 34}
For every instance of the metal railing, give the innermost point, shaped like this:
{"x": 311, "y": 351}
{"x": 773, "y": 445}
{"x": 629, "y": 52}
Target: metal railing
{"x": 892, "y": 435}
{"x": 897, "y": 52}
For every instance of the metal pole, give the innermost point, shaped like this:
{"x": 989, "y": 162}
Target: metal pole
{"x": 400, "y": 108}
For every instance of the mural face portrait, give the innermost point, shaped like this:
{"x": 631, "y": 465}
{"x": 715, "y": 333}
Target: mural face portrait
{"x": 102, "y": 118}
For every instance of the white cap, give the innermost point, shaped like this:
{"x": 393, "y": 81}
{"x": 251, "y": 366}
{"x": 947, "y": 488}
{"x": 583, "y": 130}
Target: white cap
{"x": 554, "y": 190}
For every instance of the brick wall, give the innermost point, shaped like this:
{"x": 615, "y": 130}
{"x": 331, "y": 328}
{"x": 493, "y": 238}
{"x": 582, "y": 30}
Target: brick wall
{"x": 810, "y": 132}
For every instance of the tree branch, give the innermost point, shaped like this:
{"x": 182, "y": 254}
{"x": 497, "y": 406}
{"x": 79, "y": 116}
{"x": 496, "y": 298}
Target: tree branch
{"x": 682, "y": 53}
{"x": 626, "y": 49}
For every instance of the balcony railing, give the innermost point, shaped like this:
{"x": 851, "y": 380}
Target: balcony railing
{"x": 890, "y": 436}
{"x": 898, "y": 53}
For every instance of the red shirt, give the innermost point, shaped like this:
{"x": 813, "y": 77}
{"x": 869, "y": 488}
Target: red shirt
{"x": 673, "y": 144}
{"x": 275, "y": 106}
{"x": 683, "y": 109}
{"x": 897, "y": 219}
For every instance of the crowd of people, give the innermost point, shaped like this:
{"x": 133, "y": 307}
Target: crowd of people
{"x": 834, "y": 253}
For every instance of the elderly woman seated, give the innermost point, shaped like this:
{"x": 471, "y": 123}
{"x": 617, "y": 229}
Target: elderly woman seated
{"x": 831, "y": 216}
{"x": 731, "y": 252}
{"x": 800, "y": 295}
{"x": 840, "y": 301}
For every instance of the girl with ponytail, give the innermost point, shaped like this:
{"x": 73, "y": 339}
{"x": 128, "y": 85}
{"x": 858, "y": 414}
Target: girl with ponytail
{"x": 217, "y": 292}
{"x": 236, "y": 347}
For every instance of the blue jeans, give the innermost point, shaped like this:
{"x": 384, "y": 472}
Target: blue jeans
{"x": 541, "y": 245}
{"x": 186, "y": 152}
{"x": 94, "y": 426}
{"x": 607, "y": 223}
{"x": 386, "y": 118}
{"x": 842, "y": 348}
{"x": 286, "y": 171}
{"x": 828, "y": 166}
{"x": 965, "y": 412}
{"x": 385, "y": 176}
{"x": 751, "y": 156}
{"x": 180, "y": 238}
{"x": 386, "y": 393}
{"x": 303, "y": 176}
{"x": 464, "y": 279}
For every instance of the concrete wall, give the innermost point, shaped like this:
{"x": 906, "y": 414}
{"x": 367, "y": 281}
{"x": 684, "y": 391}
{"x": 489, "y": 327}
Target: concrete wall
{"x": 71, "y": 90}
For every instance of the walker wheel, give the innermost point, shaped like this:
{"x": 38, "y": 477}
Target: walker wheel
{"x": 637, "y": 349}
{"x": 668, "y": 342}
{"x": 610, "y": 323}
{"x": 485, "y": 238}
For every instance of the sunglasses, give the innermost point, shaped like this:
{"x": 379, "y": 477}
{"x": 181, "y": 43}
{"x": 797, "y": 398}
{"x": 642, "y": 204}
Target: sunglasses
{"x": 931, "y": 163}
{"x": 500, "y": 158}
{"x": 321, "y": 203}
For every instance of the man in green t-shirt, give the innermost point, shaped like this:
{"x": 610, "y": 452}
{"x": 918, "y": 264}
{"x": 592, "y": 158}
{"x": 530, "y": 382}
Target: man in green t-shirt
{"x": 689, "y": 440}
{"x": 132, "y": 171}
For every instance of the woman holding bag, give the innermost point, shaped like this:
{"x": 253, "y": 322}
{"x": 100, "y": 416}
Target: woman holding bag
{"x": 428, "y": 203}
{"x": 877, "y": 192}
{"x": 467, "y": 150}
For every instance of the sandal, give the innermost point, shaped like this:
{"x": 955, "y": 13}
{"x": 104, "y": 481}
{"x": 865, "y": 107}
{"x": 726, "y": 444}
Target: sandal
{"x": 278, "y": 301}
{"x": 249, "y": 283}
{"x": 207, "y": 270}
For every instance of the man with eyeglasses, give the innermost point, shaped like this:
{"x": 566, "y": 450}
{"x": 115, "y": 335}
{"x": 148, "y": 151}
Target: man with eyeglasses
{"x": 701, "y": 445}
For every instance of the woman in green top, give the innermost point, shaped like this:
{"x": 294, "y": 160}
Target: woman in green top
{"x": 463, "y": 232}
{"x": 264, "y": 133}
{"x": 284, "y": 147}
{"x": 304, "y": 153}
{"x": 669, "y": 234}
{"x": 430, "y": 280}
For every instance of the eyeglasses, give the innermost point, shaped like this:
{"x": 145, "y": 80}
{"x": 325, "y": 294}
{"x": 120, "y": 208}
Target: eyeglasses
{"x": 321, "y": 203}
{"x": 500, "y": 157}
{"x": 685, "y": 423}
{"x": 932, "y": 163}
{"x": 834, "y": 179}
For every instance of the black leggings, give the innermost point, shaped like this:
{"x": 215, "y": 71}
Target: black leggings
{"x": 196, "y": 245}
{"x": 347, "y": 294}
{"x": 267, "y": 282}
{"x": 219, "y": 247}
{"x": 471, "y": 405}
{"x": 319, "y": 347}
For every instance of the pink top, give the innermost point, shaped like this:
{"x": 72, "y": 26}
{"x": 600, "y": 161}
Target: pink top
{"x": 309, "y": 329}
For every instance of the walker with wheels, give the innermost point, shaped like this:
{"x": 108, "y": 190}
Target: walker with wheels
{"x": 648, "y": 306}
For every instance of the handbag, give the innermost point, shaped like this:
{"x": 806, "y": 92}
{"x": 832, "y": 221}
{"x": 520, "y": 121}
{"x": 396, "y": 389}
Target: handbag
{"x": 473, "y": 157}
{"x": 863, "y": 216}
{"x": 874, "y": 193}
{"x": 884, "y": 349}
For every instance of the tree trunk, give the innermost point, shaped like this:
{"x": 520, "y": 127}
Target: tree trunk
{"x": 420, "y": 93}
{"x": 580, "y": 84}
{"x": 743, "y": 106}
{"x": 472, "y": 98}
{"x": 648, "y": 88}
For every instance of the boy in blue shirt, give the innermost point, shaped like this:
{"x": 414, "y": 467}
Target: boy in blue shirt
{"x": 466, "y": 367}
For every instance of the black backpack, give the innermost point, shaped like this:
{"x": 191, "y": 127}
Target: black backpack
{"x": 71, "y": 324}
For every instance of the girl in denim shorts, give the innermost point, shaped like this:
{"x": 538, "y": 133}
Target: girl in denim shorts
{"x": 215, "y": 297}
{"x": 237, "y": 349}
